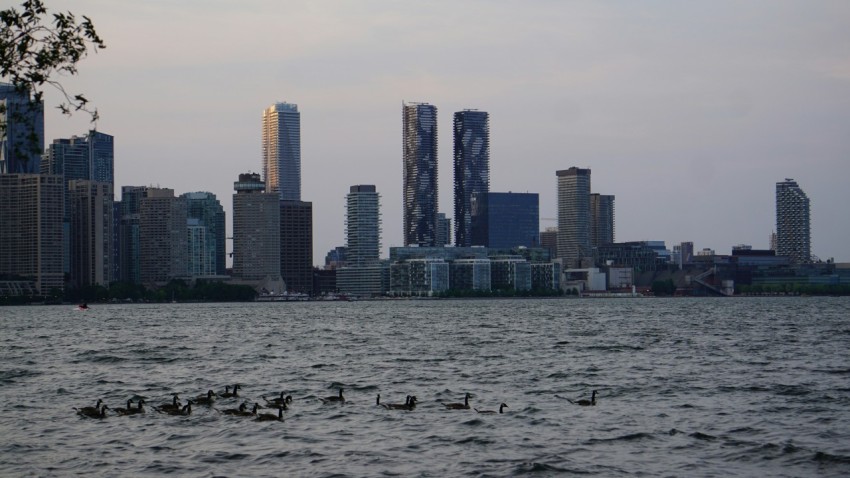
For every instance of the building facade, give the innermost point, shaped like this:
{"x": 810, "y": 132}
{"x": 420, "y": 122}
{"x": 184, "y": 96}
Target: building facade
{"x": 282, "y": 150}
{"x": 91, "y": 233}
{"x": 471, "y": 174}
{"x": 206, "y": 212}
{"x": 31, "y": 229}
{"x": 256, "y": 230}
{"x": 362, "y": 274}
{"x": 513, "y": 219}
{"x": 573, "y": 215}
{"x": 419, "y": 189}
{"x": 163, "y": 241}
{"x": 793, "y": 222}
{"x": 296, "y": 245}
{"x": 21, "y": 131}
{"x": 601, "y": 219}
{"x": 444, "y": 230}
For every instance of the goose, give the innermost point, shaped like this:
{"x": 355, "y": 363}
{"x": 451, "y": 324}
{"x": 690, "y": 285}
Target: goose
{"x": 489, "y": 412}
{"x": 228, "y": 394}
{"x": 460, "y": 406}
{"x": 266, "y": 417}
{"x": 139, "y": 409}
{"x": 236, "y": 411}
{"x": 92, "y": 412}
{"x": 334, "y": 399}
{"x": 399, "y": 406}
{"x": 186, "y": 410}
{"x": 89, "y": 410}
{"x": 207, "y": 399}
{"x": 283, "y": 400}
{"x": 585, "y": 402}
{"x": 125, "y": 411}
{"x": 170, "y": 407}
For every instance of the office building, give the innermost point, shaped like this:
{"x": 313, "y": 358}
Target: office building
{"x": 90, "y": 157}
{"x": 513, "y": 219}
{"x": 573, "y": 215}
{"x": 444, "y": 230}
{"x": 163, "y": 239}
{"x": 296, "y": 245}
{"x": 128, "y": 233}
{"x": 549, "y": 241}
{"x": 601, "y": 219}
{"x": 208, "y": 249}
{"x": 256, "y": 230}
{"x": 362, "y": 274}
{"x": 793, "y": 222}
{"x": 419, "y": 190}
{"x": 21, "y": 132}
{"x": 282, "y": 150}
{"x": 91, "y": 233}
{"x": 471, "y": 174}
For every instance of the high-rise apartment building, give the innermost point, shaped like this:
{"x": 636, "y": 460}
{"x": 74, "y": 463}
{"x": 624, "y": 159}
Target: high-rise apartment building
{"x": 573, "y": 215}
{"x": 793, "y": 226}
{"x": 444, "y": 230}
{"x": 90, "y": 157}
{"x": 256, "y": 230}
{"x": 21, "y": 131}
{"x": 471, "y": 174}
{"x": 601, "y": 219}
{"x": 163, "y": 241}
{"x": 129, "y": 245}
{"x": 296, "y": 245}
{"x": 282, "y": 150}
{"x": 361, "y": 275}
{"x": 31, "y": 229}
{"x": 207, "y": 247}
{"x": 91, "y": 233}
{"x": 513, "y": 220}
{"x": 549, "y": 241}
{"x": 420, "y": 196}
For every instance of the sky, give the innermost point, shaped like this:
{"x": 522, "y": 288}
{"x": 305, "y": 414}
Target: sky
{"x": 688, "y": 112}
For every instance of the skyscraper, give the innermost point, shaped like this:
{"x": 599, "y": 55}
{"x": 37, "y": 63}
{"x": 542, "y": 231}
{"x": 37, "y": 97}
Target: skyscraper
{"x": 21, "y": 131}
{"x": 91, "y": 232}
{"x": 471, "y": 174}
{"x": 513, "y": 220}
{"x": 793, "y": 227}
{"x": 419, "y": 138}
{"x": 128, "y": 233}
{"x": 444, "y": 230}
{"x": 296, "y": 245}
{"x": 207, "y": 234}
{"x": 282, "y": 150}
{"x": 163, "y": 238}
{"x": 256, "y": 230}
{"x": 601, "y": 219}
{"x": 573, "y": 215}
{"x": 361, "y": 275}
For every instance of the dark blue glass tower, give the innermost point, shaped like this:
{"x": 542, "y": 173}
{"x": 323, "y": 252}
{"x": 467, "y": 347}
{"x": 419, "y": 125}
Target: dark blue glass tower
{"x": 472, "y": 176}
{"x": 419, "y": 136}
{"x": 513, "y": 220}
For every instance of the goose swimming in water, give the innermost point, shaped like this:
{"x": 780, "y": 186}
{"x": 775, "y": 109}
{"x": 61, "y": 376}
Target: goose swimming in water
{"x": 243, "y": 408}
{"x": 585, "y": 402}
{"x": 134, "y": 411}
{"x": 125, "y": 411}
{"x": 490, "y": 412}
{"x": 228, "y": 394}
{"x": 400, "y": 406}
{"x": 207, "y": 399}
{"x": 267, "y": 417}
{"x": 283, "y": 400}
{"x": 186, "y": 410}
{"x": 334, "y": 399}
{"x": 97, "y": 411}
{"x": 170, "y": 407}
{"x": 459, "y": 406}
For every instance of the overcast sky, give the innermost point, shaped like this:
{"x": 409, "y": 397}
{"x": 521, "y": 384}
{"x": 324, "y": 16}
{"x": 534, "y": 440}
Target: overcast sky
{"x": 688, "y": 112}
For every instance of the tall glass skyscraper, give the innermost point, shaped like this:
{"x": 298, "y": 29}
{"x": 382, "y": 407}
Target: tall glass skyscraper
{"x": 419, "y": 138}
{"x": 21, "y": 131}
{"x": 472, "y": 175}
{"x": 573, "y": 215}
{"x": 207, "y": 235}
{"x": 361, "y": 275}
{"x": 513, "y": 220}
{"x": 793, "y": 226}
{"x": 282, "y": 150}
{"x": 601, "y": 219}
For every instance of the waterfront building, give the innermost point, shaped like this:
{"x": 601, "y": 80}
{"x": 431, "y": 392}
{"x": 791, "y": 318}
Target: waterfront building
{"x": 470, "y": 274}
{"x": 282, "y": 150}
{"x": 513, "y": 220}
{"x": 336, "y": 257}
{"x": 545, "y": 276}
{"x": 128, "y": 233}
{"x": 296, "y": 245}
{"x": 419, "y": 277}
{"x": 362, "y": 274}
{"x": 471, "y": 175}
{"x": 21, "y": 131}
{"x": 510, "y": 272}
{"x": 793, "y": 222}
{"x": 256, "y": 230}
{"x": 601, "y": 219}
{"x": 549, "y": 240}
{"x": 163, "y": 241}
{"x": 640, "y": 255}
{"x": 444, "y": 230}
{"x": 573, "y": 215}
{"x": 207, "y": 235}
{"x": 31, "y": 229}
{"x": 419, "y": 189}
{"x": 91, "y": 233}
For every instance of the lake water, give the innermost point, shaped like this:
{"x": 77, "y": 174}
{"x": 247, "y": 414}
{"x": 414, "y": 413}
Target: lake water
{"x": 687, "y": 387}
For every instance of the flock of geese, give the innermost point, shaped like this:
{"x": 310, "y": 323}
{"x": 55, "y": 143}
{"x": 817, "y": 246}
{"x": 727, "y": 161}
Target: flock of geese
{"x": 282, "y": 403}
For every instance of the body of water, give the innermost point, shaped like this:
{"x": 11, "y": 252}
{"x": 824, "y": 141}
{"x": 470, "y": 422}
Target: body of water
{"x": 686, "y": 387}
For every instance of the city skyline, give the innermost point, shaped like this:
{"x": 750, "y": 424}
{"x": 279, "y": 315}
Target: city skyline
{"x": 689, "y": 114}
